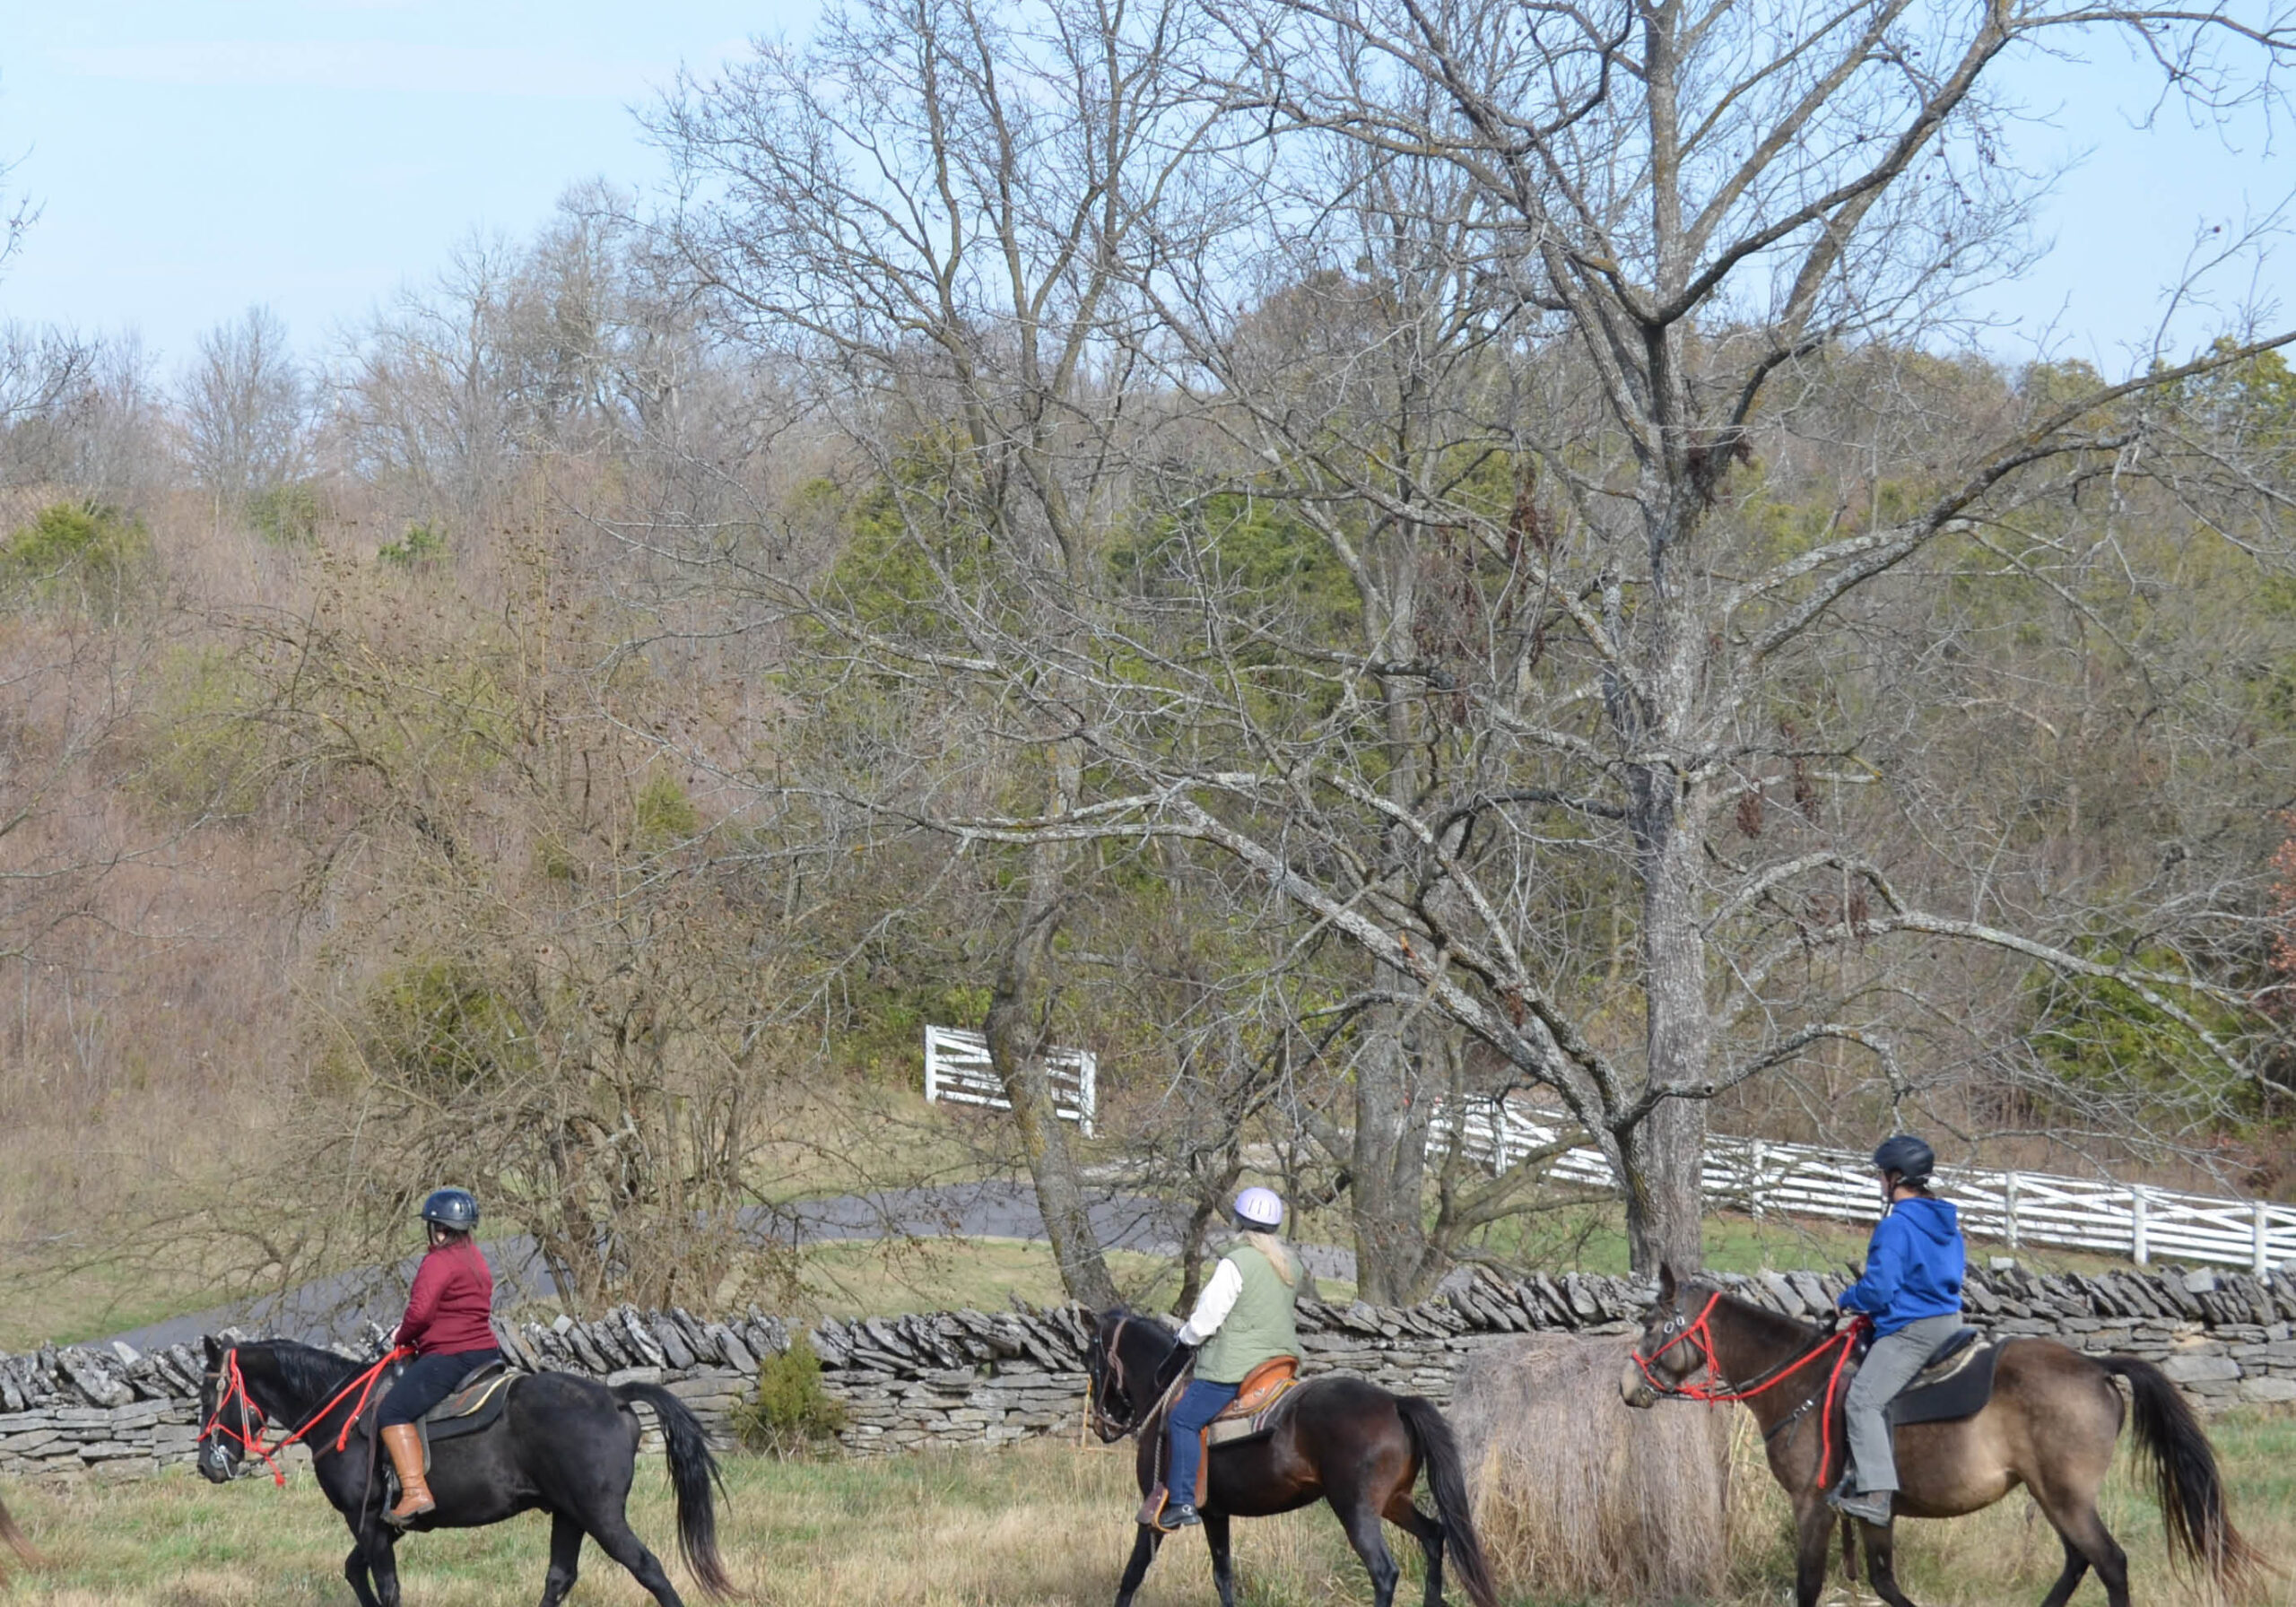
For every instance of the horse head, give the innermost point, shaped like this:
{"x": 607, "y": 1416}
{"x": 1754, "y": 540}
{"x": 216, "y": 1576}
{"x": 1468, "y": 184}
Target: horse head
{"x": 230, "y": 1421}
{"x": 1122, "y": 1365}
{"x": 1675, "y": 1343}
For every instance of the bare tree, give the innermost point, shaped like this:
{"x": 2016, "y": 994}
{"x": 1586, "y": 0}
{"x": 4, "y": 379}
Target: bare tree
{"x": 1672, "y": 233}
{"x": 929, "y": 209}
{"x": 245, "y": 404}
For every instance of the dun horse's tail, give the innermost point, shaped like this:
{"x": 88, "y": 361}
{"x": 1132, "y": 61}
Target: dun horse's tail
{"x": 1439, "y": 1454}
{"x": 14, "y": 1538}
{"x": 2185, "y": 1478}
{"x": 693, "y": 1470}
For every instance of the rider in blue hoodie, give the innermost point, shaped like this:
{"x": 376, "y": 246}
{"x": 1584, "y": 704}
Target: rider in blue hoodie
{"x": 1912, "y": 1291}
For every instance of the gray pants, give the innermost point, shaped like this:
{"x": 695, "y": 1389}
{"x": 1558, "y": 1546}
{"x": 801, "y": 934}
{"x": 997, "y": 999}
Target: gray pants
{"x": 1893, "y": 1362}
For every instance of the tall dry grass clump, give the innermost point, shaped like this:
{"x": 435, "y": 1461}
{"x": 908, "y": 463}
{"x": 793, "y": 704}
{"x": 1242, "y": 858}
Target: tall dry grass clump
{"x": 1578, "y": 1494}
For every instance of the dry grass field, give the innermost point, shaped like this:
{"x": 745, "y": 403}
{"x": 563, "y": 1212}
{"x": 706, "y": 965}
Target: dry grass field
{"x": 1046, "y": 1523}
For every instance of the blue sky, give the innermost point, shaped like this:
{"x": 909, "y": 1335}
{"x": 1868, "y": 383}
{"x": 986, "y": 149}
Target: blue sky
{"x": 195, "y": 156}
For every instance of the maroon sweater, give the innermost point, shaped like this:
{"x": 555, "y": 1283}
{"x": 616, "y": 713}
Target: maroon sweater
{"x": 446, "y": 1309}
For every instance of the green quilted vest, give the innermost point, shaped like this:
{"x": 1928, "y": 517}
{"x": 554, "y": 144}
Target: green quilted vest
{"x": 1261, "y": 1326}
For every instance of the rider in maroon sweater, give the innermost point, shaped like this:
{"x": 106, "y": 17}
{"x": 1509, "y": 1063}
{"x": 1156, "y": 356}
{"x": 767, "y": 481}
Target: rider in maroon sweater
{"x": 446, "y": 1325}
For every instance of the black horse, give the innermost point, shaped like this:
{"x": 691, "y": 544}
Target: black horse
{"x": 566, "y": 1444}
{"x": 1343, "y": 1439}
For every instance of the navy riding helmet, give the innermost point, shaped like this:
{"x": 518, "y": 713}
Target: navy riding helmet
{"x": 1909, "y": 1157}
{"x": 456, "y": 1207}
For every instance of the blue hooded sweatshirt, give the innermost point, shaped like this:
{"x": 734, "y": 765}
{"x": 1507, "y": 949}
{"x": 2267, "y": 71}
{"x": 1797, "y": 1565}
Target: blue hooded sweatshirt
{"x": 1913, "y": 1267}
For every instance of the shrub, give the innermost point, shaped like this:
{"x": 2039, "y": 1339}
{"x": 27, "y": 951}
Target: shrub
{"x": 421, "y": 548}
{"x": 790, "y": 1413}
{"x": 80, "y": 556}
{"x": 206, "y": 754}
{"x": 440, "y": 1028}
{"x": 286, "y": 514}
{"x": 666, "y": 815}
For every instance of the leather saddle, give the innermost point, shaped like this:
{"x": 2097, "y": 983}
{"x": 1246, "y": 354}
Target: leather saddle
{"x": 1253, "y": 1412}
{"x": 1955, "y": 1382}
{"x": 473, "y": 1404}
{"x": 1260, "y": 1402}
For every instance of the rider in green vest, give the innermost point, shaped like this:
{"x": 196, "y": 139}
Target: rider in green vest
{"x": 1243, "y": 1318}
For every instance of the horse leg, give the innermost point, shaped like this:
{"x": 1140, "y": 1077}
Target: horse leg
{"x": 1143, "y": 1552}
{"x": 2076, "y": 1565}
{"x": 565, "y": 1558}
{"x": 382, "y": 1562}
{"x": 354, "y": 1569}
{"x": 1881, "y": 1561}
{"x": 1814, "y": 1542}
{"x": 2088, "y": 1544}
{"x": 1363, "y": 1533}
{"x": 1429, "y": 1532}
{"x": 1223, "y": 1560}
{"x": 620, "y": 1542}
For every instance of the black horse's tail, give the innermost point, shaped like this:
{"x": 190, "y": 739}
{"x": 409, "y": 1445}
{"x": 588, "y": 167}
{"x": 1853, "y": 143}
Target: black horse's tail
{"x": 2185, "y": 1478}
{"x": 693, "y": 1470}
{"x": 1439, "y": 1454}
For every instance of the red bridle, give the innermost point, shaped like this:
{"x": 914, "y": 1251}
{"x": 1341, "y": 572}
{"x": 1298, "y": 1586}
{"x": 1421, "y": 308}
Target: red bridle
{"x": 1699, "y": 1332}
{"x": 248, "y": 1434}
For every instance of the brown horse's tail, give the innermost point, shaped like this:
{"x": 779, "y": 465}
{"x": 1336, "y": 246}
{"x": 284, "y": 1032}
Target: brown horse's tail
{"x": 1439, "y": 1454}
{"x": 2185, "y": 1478}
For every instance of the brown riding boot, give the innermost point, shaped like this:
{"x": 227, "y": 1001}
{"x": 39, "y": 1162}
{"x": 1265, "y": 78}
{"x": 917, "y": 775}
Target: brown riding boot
{"x": 404, "y": 1441}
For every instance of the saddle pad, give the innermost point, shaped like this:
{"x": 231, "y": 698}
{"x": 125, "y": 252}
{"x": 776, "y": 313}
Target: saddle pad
{"x": 1225, "y": 1430}
{"x": 474, "y": 1403}
{"x": 1959, "y": 1387}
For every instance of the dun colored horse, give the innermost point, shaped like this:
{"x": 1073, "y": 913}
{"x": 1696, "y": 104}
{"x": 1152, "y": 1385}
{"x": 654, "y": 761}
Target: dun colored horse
{"x": 2051, "y": 1426}
{"x": 564, "y": 1444}
{"x": 1341, "y": 1440}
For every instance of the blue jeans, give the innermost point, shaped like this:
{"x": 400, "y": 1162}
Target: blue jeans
{"x": 1199, "y": 1405}
{"x": 429, "y": 1380}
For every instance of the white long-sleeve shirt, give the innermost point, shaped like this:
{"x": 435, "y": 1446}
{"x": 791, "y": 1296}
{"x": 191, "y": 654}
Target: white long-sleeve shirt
{"x": 1214, "y": 1304}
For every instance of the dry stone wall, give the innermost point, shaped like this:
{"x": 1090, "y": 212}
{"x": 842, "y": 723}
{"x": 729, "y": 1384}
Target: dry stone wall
{"x": 972, "y": 1379}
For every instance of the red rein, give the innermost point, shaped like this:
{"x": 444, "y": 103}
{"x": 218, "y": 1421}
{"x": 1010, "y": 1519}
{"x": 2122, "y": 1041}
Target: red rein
{"x": 1721, "y": 1391}
{"x": 249, "y": 1432}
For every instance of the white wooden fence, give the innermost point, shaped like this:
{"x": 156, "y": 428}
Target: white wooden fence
{"x": 2016, "y": 1208}
{"x": 957, "y": 1069}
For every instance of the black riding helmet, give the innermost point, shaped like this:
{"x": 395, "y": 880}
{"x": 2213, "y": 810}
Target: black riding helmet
{"x": 456, "y": 1207}
{"x": 1909, "y": 1157}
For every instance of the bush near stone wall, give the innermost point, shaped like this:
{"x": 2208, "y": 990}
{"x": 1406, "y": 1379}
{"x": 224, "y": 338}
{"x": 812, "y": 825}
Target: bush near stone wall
{"x": 976, "y": 1379}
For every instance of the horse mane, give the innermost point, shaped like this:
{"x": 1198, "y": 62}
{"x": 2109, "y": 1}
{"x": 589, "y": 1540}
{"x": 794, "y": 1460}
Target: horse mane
{"x": 1765, "y": 1325}
{"x": 304, "y": 1371}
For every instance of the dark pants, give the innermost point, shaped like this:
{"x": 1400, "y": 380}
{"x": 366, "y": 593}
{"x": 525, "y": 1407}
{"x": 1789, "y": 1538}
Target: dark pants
{"x": 1200, "y": 1403}
{"x": 429, "y": 1380}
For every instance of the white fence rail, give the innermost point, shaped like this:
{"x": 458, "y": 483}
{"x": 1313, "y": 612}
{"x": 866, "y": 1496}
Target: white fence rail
{"x": 2016, "y": 1208}
{"x": 957, "y": 1069}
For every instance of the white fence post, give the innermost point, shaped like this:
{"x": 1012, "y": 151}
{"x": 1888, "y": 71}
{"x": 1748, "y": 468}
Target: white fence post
{"x": 1087, "y": 1090}
{"x": 2261, "y": 1264}
{"x": 2139, "y": 1250}
{"x": 2009, "y": 1209}
{"x": 1760, "y": 1153}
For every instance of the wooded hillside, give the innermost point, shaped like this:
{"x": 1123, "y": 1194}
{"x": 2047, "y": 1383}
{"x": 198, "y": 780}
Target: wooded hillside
{"x": 1255, "y": 549}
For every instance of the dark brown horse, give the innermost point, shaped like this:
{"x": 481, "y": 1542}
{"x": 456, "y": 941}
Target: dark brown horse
{"x": 1343, "y": 1440}
{"x": 2051, "y": 1426}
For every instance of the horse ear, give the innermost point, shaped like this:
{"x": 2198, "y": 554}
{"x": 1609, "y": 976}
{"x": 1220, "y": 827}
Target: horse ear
{"x": 1666, "y": 1282}
{"x": 214, "y": 1351}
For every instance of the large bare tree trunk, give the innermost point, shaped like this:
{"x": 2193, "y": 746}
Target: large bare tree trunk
{"x": 1014, "y": 1030}
{"x": 1388, "y": 1169}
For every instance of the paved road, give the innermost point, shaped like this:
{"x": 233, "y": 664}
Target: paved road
{"x": 328, "y": 1307}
